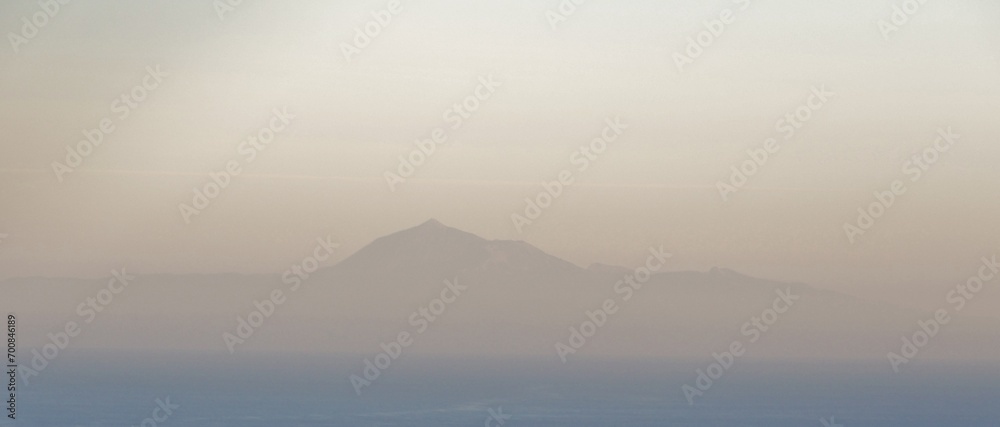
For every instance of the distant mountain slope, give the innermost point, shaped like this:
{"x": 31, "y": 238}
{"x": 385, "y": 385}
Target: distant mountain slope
{"x": 436, "y": 249}
{"x": 518, "y": 300}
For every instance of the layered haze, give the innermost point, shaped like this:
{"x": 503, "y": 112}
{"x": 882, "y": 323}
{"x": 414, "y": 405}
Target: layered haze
{"x": 525, "y": 212}
{"x": 326, "y": 173}
{"x": 513, "y": 300}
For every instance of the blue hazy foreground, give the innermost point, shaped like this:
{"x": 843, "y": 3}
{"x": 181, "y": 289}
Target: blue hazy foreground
{"x": 291, "y": 391}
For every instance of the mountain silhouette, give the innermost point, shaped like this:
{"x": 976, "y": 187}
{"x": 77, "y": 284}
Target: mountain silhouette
{"x": 517, "y": 300}
{"x": 434, "y": 249}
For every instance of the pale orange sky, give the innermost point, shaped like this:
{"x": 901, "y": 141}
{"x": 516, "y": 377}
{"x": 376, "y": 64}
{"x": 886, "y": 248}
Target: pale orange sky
{"x": 656, "y": 185}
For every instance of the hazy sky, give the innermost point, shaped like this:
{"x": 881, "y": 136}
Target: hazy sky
{"x": 656, "y": 184}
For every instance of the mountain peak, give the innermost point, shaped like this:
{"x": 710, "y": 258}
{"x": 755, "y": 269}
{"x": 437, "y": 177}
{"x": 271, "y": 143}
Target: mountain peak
{"x": 432, "y": 223}
{"x": 434, "y": 228}
{"x": 438, "y": 249}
